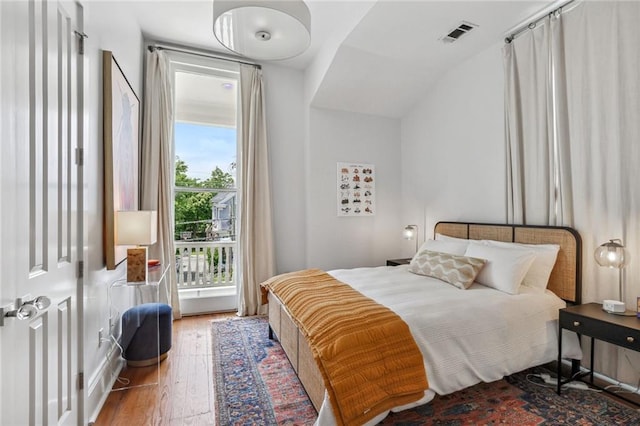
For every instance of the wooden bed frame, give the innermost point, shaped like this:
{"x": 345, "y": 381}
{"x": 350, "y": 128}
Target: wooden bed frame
{"x": 565, "y": 281}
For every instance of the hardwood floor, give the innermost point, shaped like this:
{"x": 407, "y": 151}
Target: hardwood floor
{"x": 180, "y": 392}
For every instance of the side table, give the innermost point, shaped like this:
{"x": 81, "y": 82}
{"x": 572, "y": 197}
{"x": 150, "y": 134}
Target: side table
{"x": 122, "y": 297}
{"x": 590, "y": 320}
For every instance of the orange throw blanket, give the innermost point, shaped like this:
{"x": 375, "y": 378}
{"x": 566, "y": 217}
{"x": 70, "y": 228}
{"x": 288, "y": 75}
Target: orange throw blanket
{"x": 365, "y": 352}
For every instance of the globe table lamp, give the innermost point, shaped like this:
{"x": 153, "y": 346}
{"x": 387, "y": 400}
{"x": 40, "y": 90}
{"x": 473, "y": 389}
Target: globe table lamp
{"x": 613, "y": 255}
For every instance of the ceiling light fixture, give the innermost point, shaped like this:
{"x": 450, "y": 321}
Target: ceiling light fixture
{"x": 261, "y": 29}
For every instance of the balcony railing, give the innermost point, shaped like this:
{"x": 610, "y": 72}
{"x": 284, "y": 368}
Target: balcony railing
{"x": 205, "y": 264}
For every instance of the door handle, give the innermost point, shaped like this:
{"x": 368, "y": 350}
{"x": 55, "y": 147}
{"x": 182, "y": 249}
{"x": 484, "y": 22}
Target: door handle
{"x": 40, "y": 302}
{"x": 24, "y": 310}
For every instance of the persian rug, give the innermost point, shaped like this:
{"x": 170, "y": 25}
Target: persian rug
{"x": 256, "y": 385}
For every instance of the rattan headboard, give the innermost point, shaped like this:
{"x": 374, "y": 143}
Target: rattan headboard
{"x": 566, "y": 276}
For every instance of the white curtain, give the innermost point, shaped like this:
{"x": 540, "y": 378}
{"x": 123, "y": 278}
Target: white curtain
{"x": 255, "y": 230}
{"x": 156, "y": 183}
{"x": 602, "y": 87}
{"x": 595, "y": 90}
{"x": 529, "y": 128}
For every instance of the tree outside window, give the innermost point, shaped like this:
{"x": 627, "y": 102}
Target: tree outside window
{"x": 204, "y": 209}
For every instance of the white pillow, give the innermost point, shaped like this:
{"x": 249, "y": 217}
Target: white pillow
{"x": 442, "y": 237}
{"x": 457, "y": 247}
{"x": 538, "y": 274}
{"x": 505, "y": 268}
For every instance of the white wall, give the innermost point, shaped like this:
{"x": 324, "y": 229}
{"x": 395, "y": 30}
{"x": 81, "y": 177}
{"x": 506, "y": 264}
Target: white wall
{"x": 109, "y": 27}
{"x": 344, "y": 16}
{"x": 344, "y": 242}
{"x": 305, "y": 145}
{"x": 453, "y": 152}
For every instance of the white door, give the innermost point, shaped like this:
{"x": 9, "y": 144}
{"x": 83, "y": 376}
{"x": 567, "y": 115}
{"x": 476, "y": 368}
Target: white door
{"x": 40, "y": 129}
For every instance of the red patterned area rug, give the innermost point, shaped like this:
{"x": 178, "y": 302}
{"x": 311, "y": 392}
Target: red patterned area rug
{"x": 256, "y": 385}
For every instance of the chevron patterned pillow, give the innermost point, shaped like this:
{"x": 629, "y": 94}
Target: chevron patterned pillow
{"x": 459, "y": 271}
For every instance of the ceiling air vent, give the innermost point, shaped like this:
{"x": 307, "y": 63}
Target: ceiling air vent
{"x": 458, "y": 32}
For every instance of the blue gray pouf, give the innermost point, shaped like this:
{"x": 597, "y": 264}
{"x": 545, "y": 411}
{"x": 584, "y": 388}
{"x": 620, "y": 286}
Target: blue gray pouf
{"x": 146, "y": 334}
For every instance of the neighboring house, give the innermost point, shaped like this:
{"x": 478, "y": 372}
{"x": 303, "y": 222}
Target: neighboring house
{"x": 223, "y": 207}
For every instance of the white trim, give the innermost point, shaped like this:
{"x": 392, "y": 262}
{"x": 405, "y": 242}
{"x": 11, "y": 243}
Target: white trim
{"x": 207, "y": 300}
{"x": 186, "y": 62}
{"x": 100, "y": 384}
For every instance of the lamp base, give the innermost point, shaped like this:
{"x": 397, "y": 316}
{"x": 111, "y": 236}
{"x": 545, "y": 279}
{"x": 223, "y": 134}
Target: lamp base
{"x": 137, "y": 264}
{"x": 623, "y": 314}
{"x": 616, "y": 307}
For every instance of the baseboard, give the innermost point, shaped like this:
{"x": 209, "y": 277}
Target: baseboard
{"x": 202, "y": 301}
{"x": 100, "y": 384}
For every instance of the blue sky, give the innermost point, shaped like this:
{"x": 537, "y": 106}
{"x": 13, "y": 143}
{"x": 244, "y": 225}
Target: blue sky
{"x": 205, "y": 147}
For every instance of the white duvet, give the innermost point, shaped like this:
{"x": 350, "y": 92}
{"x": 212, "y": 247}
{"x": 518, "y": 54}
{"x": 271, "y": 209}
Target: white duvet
{"x": 466, "y": 336}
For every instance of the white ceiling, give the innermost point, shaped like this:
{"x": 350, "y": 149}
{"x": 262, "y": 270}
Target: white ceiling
{"x": 395, "y": 53}
{"x": 386, "y": 61}
{"x": 205, "y": 99}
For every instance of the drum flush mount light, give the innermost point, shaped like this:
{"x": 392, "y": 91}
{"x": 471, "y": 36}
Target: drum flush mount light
{"x": 261, "y": 29}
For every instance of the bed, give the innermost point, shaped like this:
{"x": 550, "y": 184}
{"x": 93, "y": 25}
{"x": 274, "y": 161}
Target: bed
{"x": 465, "y": 337}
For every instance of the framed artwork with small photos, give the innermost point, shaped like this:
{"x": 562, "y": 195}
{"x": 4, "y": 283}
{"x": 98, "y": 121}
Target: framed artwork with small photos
{"x": 356, "y": 189}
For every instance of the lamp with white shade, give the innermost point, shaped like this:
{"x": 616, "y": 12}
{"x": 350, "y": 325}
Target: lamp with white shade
{"x": 612, "y": 254}
{"x": 139, "y": 228}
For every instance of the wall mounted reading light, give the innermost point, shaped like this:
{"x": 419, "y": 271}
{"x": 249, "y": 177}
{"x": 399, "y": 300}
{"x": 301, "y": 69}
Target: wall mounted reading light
{"x": 411, "y": 232}
{"x": 262, "y": 29}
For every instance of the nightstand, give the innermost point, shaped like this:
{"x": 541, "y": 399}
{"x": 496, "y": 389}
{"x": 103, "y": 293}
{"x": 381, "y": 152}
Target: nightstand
{"x": 396, "y": 262}
{"x": 136, "y": 317}
{"x": 590, "y": 320}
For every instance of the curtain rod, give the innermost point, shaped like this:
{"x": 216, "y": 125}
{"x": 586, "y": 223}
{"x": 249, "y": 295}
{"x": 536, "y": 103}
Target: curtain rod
{"x": 531, "y": 25}
{"x": 204, "y": 54}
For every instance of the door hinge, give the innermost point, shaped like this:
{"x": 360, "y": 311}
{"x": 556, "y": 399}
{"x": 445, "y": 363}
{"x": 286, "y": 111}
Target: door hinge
{"x": 80, "y": 271}
{"x": 79, "y": 156}
{"x": 81, "y": 36}
{"x": 80, "y": 380}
